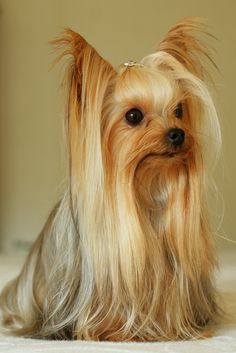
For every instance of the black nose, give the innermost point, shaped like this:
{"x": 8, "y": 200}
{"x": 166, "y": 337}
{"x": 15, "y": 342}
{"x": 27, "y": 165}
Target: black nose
{"x": 175, "y": 136}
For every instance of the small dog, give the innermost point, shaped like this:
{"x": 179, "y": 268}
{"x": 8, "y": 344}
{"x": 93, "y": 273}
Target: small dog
{"x": 127, "y": 254}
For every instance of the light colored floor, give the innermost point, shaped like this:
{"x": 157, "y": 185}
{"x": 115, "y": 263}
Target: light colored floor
{"x": 223, "y": 341}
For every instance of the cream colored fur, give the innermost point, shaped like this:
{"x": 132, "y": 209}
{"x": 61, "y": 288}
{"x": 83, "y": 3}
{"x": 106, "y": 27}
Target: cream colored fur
{"x": 127, "y": 254}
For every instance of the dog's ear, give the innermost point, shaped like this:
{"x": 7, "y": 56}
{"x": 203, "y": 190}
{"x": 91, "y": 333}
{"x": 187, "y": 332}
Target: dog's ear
{"x": 185, "y": 42}
{"x": 86, "y": 82}
{"x": 87, "y": 68}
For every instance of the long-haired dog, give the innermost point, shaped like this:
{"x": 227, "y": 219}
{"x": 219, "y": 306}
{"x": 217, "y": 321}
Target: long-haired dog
{"x": 127, "y": 253}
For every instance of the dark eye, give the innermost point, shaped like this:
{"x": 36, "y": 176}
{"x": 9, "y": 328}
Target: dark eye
{"x": 179, "y": 111}
{"x": 134, "y": 116}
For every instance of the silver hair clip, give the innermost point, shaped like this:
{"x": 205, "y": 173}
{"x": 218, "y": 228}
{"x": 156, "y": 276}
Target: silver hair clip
{"x": 131, "y": 63}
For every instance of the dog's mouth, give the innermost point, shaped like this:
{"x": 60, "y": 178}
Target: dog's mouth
{"x": 168, "y": 154}
{"x": 165, "y": 154}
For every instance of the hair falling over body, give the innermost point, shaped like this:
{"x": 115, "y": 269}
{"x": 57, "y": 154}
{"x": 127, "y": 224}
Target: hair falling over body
{"x": 127, "y": 254}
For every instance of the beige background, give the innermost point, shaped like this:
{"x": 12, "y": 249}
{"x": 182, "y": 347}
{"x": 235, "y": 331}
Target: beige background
{"x": 32, "y": 164}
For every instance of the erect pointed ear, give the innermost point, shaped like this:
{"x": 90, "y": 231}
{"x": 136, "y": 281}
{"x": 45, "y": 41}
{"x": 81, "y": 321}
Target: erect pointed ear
{"x": 184, "y": 42}
{"x": 88, "y": 73}
{"x": 87, "y": 81}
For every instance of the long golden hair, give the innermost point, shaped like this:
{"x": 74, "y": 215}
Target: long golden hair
{"x": 127, "y": 253}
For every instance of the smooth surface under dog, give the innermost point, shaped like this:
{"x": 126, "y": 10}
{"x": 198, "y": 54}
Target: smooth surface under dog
{"x": 127, "y": 254}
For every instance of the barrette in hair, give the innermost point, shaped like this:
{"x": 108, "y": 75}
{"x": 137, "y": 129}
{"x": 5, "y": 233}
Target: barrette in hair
{"x": 131, "y": 63}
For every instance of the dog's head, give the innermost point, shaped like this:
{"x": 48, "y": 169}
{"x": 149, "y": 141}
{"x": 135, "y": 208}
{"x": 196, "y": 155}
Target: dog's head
{"x": 143, "y": 118}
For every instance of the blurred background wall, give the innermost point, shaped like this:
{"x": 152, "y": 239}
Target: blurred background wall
{"x": 31, "y": 109}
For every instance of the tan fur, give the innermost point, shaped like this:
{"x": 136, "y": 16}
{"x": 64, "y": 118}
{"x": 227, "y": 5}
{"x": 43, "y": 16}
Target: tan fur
{"x": 128, "y": 253}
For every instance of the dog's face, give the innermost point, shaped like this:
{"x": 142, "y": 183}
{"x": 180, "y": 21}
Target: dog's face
{"x": 150, "y": 118}
{"x": 155, "y": 123}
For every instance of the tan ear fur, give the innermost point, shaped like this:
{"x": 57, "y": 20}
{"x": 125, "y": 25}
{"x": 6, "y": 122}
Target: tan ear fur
{"x": 86, "y": 83}
{"x": 185, "y": 42}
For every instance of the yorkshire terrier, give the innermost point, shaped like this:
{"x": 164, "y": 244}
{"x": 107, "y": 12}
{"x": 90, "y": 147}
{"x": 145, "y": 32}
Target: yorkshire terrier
{"x": 128, "y": 253}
